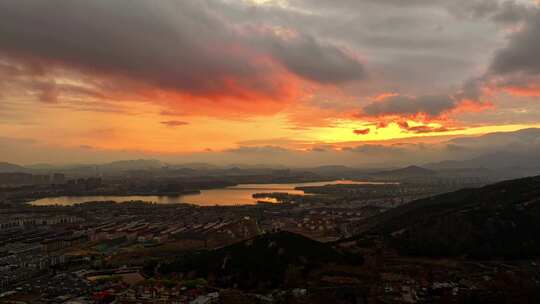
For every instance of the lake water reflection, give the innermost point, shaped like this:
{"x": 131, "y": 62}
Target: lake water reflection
{"x": 236, "y": 195}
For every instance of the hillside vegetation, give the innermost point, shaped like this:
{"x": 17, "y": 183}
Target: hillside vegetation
{"x": 267, "y": 261}
{"x": 499, "y": 220}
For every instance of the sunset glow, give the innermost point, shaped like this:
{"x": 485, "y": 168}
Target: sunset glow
{"x": 210, "y": 78}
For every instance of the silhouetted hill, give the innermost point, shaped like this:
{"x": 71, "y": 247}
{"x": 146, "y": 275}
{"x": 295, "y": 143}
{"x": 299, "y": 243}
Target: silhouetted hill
{"x": 139, "y": 164}
{"x": 42, "y": 167}
{"x": 254, "y": 167}
{"x": 500, "y": 220}
{"x": 341, "y": 172}
{"x": 11, "y": 168}
{"x": 264, "y": 261}
{"x": 330, "y": 170}
{"x": 464, "y": 172}
{"x": 412, "y": 171}
{"x": 195, "y": 166}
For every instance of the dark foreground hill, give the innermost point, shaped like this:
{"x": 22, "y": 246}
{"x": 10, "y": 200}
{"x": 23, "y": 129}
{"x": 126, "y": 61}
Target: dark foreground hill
{"x": 267, "y": 261}
{"x": 499, "y": 220}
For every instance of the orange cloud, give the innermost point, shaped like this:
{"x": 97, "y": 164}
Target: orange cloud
{"x": 468, "y": 106}
{"x": 196, "y": 61}
{"x": 232, "y": 97}
{"x": 383, "y": 96}
{"x": 362, "y": 131}
{"x": 394, "y": 108}
{"x": 525, "y": 91}
{"x": 422, "y": 129}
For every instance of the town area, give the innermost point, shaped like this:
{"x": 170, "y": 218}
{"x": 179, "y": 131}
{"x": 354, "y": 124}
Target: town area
{"x": 107, "y": 251}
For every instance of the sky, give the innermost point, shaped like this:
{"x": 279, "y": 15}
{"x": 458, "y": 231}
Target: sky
{"x": 263, "y": 81}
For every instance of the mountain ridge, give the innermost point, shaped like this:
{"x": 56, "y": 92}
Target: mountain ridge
{"x": 495, "y": 220}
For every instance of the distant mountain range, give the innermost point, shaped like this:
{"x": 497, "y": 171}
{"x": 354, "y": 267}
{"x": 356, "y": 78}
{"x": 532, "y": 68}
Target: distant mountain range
{"x": 153, "y": 167}
{"x": 11, "y": 168}
{"x": 502, "y": 155}
{"x": 410, "y": 171}
{"x": 126, "y": 165}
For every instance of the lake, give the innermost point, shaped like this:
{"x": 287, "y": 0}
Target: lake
{"x": 236, "y": 195}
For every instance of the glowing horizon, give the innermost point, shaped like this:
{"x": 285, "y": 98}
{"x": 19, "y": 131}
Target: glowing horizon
{"x": 169, "y": 78}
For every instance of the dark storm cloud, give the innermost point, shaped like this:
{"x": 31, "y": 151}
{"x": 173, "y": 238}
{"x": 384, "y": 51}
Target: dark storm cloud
{"x": 414, "y": 46}
{"x": 128, "y": 38}
{"x": 472, "y": 8}
{"x": 431, "y": 105}
{"x": 212, "y": 47}
{"x": 515, "y": 68}
{"x": 182, "y": 45}
{"x": 458, "y": 8}
{"x": 350, "y": 4}
{"x": 471, "y": 90}
{"x": 521, "y": 55}
{"x": 512, "y": 12}
{"x": 205, "y": 47}
{"x": 306, "y": 57}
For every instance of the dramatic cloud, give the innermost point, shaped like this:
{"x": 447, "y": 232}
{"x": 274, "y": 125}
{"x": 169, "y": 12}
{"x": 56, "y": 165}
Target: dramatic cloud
{"x": 512, "y": 13}
{"x": 186, "y": 47}
{"x": 325, "y": 64}
{"x": 473, "y": 9}
{"x": 255, "y": 77}
{"x": 431, "y": 105}
{"x": 515, "y": 68}
{"x": 423, "y": 110}
{"x": 521, "y": 53}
